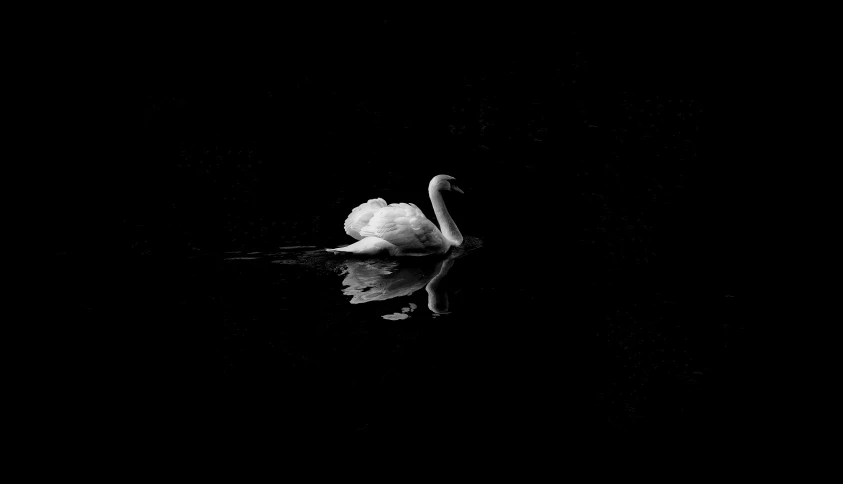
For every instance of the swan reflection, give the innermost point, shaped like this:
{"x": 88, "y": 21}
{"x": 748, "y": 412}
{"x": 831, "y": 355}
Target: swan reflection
{"x": 379, "y": 280}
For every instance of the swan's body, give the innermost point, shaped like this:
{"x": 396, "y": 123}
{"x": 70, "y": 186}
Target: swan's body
{"x": 401, "y": 229}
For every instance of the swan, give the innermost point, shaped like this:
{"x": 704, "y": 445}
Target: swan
{"x": 401, "y": 229}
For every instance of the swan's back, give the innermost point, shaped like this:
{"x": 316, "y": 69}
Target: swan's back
{"x": 405, "y": 226}
{"x": 387, "y": 219}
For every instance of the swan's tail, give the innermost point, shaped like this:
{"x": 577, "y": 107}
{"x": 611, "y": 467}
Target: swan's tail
{"x": 368, "y": 245}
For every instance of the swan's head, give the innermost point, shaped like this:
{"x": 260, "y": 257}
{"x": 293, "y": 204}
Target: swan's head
{"x": 443, "y": 183}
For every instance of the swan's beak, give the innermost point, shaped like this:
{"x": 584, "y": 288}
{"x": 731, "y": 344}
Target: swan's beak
{"x": 457, "y": 189}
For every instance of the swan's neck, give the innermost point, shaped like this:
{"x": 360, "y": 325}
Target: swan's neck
{"x": 446, "y": 223}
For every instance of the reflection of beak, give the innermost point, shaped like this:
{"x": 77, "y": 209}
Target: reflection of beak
{"x": 457, "y": 189}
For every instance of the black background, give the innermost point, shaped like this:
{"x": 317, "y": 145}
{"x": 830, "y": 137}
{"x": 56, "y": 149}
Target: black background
{"x": 595, "y": 173}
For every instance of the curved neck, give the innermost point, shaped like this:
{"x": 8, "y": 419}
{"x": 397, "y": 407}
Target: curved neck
{"x": 446, "y": 223}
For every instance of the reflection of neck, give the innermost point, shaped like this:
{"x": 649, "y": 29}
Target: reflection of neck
{"x": 437, "y": 300}
{"x": 446, "y": 223}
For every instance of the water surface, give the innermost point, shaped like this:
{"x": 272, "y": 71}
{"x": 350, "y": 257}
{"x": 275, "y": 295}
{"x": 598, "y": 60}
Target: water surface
{"x": 301, "y": 338}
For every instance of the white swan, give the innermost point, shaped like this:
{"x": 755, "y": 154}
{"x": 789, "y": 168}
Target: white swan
{"x": 401, "y": 229}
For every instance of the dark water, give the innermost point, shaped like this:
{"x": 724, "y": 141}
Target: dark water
{"x": 597, "y": 291}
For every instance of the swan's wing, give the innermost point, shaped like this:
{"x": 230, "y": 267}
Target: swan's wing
{"x": 403, "y": 225}
{"x": 360, "y": 216}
